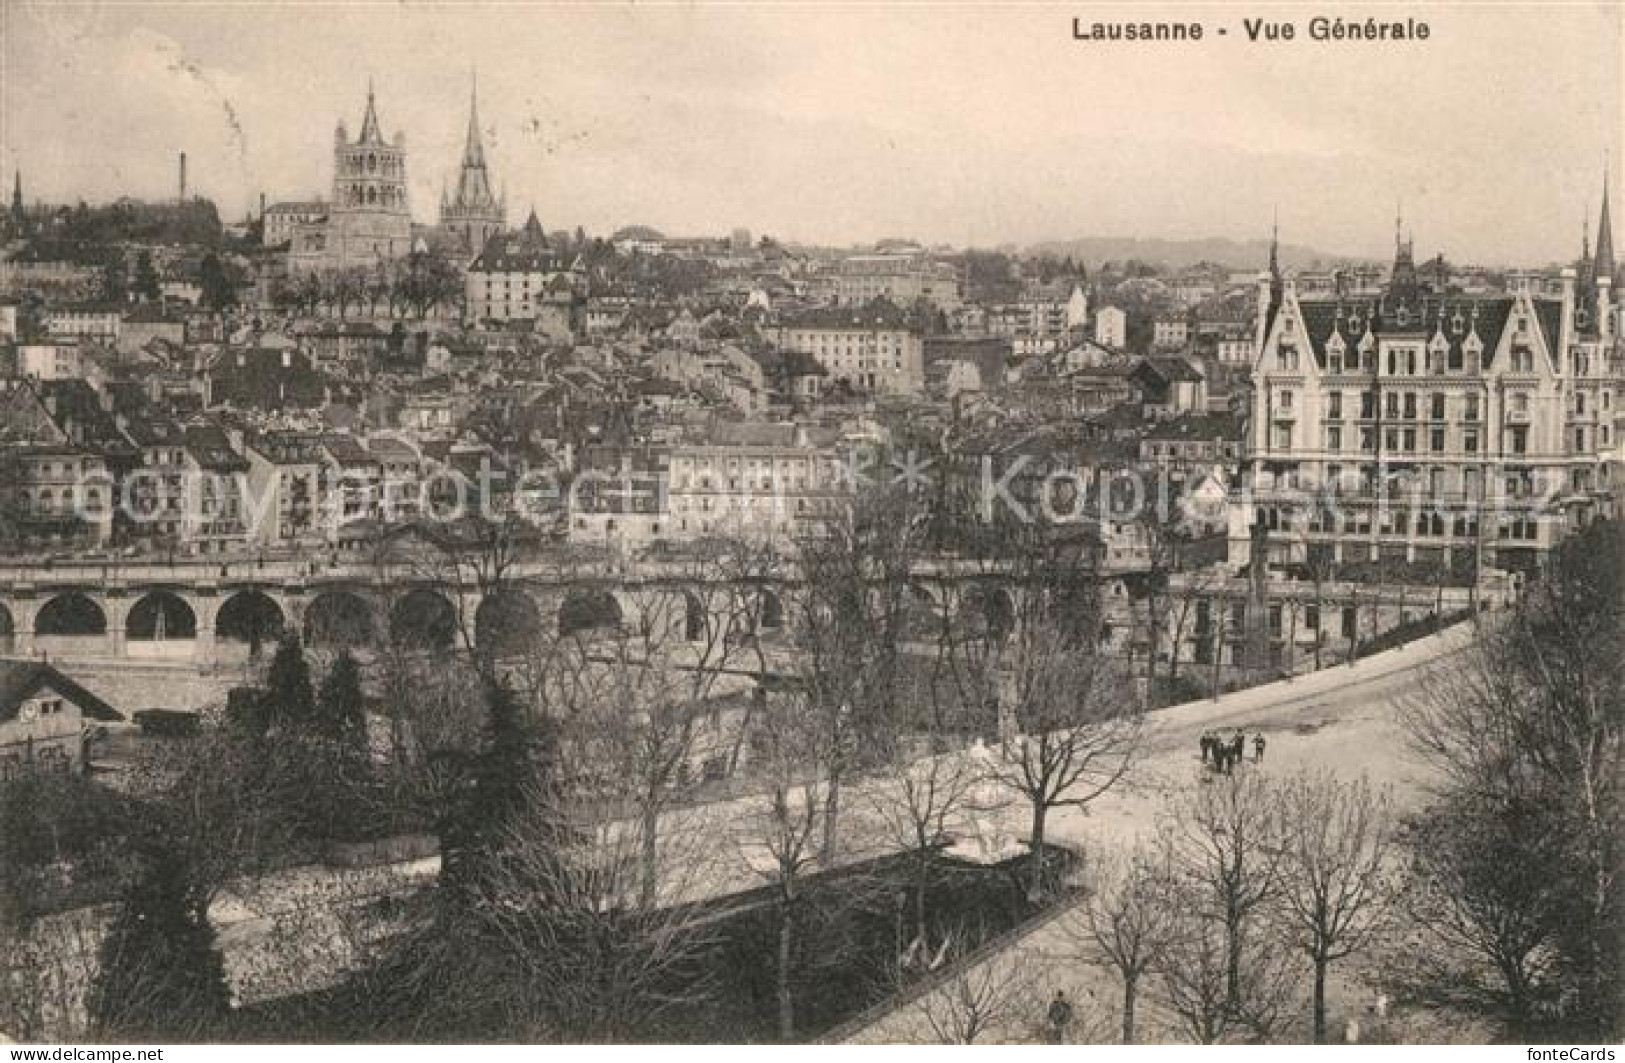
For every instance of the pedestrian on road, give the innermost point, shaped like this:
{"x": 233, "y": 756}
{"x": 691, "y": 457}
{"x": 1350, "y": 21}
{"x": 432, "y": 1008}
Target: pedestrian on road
{"x": 1238, "y": 746}
{"x": 1258, "y": 747}
{"x": 1207, "y": 746}
{"x": 1221, "y": 758}
{"x": 1059, "y": 1017}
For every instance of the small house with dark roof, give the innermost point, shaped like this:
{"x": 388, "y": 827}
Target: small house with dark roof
{"x": 265, "y": 379}
{"x": 45, "y": 719}
{"x": 509, "y": 278}
{"x": 1170, "y": 386}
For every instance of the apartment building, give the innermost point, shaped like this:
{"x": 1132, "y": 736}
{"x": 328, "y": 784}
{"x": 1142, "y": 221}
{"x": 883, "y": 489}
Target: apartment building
{"x": 1419, "y": 425}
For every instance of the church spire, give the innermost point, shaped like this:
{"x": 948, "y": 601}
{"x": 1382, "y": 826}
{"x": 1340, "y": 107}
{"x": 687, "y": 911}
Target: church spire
{"x": 17, "y": 197}
{"x": 473, "y": 150}
{"x": 1275, "y": 245}
{"x": 1604, "y": 264}
{"x": 370, "y": 132}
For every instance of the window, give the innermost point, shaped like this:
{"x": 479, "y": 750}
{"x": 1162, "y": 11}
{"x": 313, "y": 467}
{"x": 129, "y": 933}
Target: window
{"x": 1437, "y": 404}
{"x": 1410, "y": 405}
{"x": 1334, "y": 438}
{"x": 1469, "y": 441}
{"x": 1286, "y": 400}
{"x": 1334, "y": 407}
{"x": 1436, "y": 440}
{"x": 1368, "y": 404}
{"x": 1472, "y": 408}
{"x": 1520, "y": 438}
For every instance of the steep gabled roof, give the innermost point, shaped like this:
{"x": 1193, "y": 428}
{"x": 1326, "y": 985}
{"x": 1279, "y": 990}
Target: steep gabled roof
{"x": 21, "y": 680}
{"x": 1349, "y": 319}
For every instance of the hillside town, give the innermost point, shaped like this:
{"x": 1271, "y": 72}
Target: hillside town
{"x": 347, "y": 513}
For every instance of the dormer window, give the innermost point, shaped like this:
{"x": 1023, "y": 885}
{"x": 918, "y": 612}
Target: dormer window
{"x": 1402, "y": 317}
{"x": 1458, "y": 324}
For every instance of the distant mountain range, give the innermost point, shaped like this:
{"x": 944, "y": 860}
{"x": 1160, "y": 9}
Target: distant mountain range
{"x": 1237, "y": 254}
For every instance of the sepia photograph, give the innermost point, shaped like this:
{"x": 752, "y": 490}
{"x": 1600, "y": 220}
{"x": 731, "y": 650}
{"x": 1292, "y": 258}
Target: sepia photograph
{"x": 814, "y": 523}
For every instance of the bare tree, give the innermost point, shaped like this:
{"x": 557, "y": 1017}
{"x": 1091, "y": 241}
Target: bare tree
{"x": 1186, "y": 594}
{"x": 1069, "y": 726}
{"x": 981, "y": 999}
{"x": 1229, "y": 838}
{"x": 918, "y": 803}
{"x": 634, "y": 702}
{"x": 1197, "y": 984}
{"x": 779, "y": 838}
{"x": 1336, "y": 881}
{"x": 591, "y": 953}
{"x": 1129, "y": 921}
{"x": 1163, "y": 528}
{"x": 1485, "y": 893}
{"x": 1527, "y": 733}
{"x": 852, "y": 623}
{"x": 1073, "y": 731}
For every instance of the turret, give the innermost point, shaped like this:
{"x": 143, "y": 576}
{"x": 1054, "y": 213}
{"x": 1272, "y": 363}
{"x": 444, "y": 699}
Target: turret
{"x": 1566, "y": 329}
{"x": 1605, "y": 306}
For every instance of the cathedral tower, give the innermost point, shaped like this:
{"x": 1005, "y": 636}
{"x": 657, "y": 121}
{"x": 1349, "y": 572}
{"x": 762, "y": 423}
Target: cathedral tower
{"x": 371, "y": 218}
{"x": 473, "y": 214}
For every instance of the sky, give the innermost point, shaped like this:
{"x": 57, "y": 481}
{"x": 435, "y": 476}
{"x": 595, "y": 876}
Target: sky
{"x": 968, "y": 124}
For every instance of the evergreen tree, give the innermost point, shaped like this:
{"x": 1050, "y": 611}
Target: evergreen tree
{"x": 24, "y": 849}
{"x": 160, "y": 975}
{"x": 500, "y": 782}
{"x": 146, "y": 278}
{"x": 114, "y": 287}
{"x": 343, "y": 715}
{"x": 337, "y": 756}
{"x": 219, "y": 290}
{"x": 289, "y": 702}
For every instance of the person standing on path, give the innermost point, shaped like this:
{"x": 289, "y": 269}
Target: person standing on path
{"x": 1258, "y": 747}
{"x": 1059, "y": 1018}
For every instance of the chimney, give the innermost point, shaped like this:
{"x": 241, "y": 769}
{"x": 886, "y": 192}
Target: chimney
{"x": 183, "y": 177}
{"x": 262, "y": 208}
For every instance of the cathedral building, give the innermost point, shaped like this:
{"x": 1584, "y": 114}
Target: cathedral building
{"x": 369, "y": 220}
{"x": 474, "y": 214}
{"x": 1427, "y": 429}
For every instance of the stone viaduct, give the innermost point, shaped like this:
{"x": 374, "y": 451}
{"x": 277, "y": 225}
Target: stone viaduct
{"x": 223, "y": 612}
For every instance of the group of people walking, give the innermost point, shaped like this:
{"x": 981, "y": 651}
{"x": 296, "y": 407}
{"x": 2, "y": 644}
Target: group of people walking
{"x": 1223, "y": 754}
